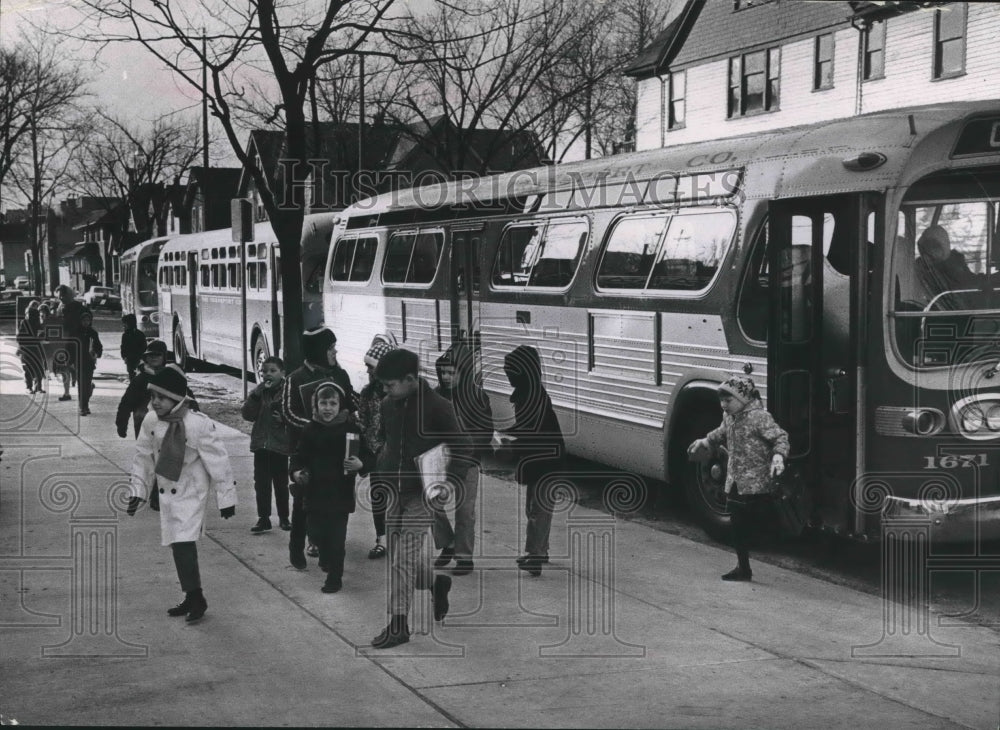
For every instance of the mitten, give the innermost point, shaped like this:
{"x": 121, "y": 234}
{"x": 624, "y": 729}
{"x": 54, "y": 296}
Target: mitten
{"x": 227, "y": 512}
{"x": 123, "y": 431}
{"x": 154, "y": 501}
{"x": 133, "y": 505}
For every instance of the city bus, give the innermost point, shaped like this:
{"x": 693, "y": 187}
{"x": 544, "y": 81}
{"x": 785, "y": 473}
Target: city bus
{"x": 798, "y": 257}
{"x": 138, "y": 284}
{"x": 200, "y": 285}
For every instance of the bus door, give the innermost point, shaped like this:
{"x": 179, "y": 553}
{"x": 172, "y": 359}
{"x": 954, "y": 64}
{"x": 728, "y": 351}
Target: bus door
{"x": 464, "y": 286}
{"x": 818, "y": 268}
{"x": 194, "y": 322}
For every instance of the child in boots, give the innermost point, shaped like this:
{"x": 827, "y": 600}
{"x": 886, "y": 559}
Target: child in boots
{"x": 324, "y": 470}
{"x": 757, "y": 449}
{"x": 270, "y": 443}
{"x": 179, "y": 455}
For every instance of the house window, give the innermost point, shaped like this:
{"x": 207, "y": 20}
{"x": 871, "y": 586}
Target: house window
{"x": 949, "y": 40}
{"x": 873, "y": 39}
{"x": 676, "y": 92}
{"x": 754, "y": 83}
{"x": 823, "y": 64}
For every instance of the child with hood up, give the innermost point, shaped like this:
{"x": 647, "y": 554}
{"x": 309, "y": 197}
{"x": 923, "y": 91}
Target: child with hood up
{"x": 178, "y": 456}
{"x": 29, "y": 348}
{"x": 91, "y": 350}
{"x": 538, "y": 444}
{"x": 324, "y": 470}
{"x": 757, "y": 448}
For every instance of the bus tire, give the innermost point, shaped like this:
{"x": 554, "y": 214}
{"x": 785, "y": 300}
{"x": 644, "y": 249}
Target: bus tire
{"x": 181, "y": 356}
{"x": 704, "y": 483}
{"x": 259, "y": 354}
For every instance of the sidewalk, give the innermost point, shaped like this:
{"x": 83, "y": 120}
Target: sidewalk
{"x": 628, "y": 627}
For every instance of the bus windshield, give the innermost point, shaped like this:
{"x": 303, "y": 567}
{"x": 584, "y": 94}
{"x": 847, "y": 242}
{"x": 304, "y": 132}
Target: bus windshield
{"x": 946, "y": 268}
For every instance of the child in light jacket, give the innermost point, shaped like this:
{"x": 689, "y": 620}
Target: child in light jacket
{"x": 179, "y": 456}
{"x": 757, "y": 448}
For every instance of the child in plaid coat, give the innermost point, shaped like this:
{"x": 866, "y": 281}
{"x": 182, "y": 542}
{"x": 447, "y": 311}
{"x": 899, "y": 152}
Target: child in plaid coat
{"x": 757, "y": 448}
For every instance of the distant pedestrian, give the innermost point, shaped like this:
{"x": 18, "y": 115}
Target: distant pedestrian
{"x": 537, "y": 443}
{"x": 319, "y": 351}
{"x": 69, "y": 313}
{"x": 270, "y": 442}
{"x": 457, "y": 383}
{"x": 134, "y": 403}
{"x": 29, "y": 348}
{"x": 324, "y": 471}
{"x": 370, "y": 419}
{"x": 415, "y": 419}
{"x": 179, "y": 455}
{"x": 757, "y": 448}
{"x": 91, "y": 350}
{"x": 133, "y": 345}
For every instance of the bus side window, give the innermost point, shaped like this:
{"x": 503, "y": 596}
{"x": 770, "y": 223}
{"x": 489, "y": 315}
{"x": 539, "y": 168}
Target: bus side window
{"x": 692, "y": 251}
{"x": 423, "y": 264}
{"x": 629, "y": 253}
{"x": 342, "y": 255}
{"x": 516, "y": 254}
{"x": 397, "y": 258}
{"x": 364, "y": 259}
{"x": 560, "y": 252}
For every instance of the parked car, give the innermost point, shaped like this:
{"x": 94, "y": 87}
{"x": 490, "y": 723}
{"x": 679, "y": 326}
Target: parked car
{"x": 102, "y": 296}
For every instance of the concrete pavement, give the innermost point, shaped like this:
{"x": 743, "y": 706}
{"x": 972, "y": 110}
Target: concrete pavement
{"x": 628, "y": 627}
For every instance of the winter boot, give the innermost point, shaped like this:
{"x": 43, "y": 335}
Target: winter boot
{"x": 263, "y": 525}
{"x": 182, "y": 608}
{"x": 199, "y": 606}
{"x": 445, "y": 557}
{"x": 439, "y": 596}
{"x": 396, "y": 633}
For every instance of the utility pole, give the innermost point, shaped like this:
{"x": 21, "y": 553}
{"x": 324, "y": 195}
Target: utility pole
{"x": 204, "y": 104}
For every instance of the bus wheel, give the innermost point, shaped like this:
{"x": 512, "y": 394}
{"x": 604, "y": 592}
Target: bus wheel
{"x": 704, "y": 485}
{"x": 181, "y": 356}
{"x": 260, "y": 354}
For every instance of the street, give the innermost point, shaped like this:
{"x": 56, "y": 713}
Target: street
{"x": 628, "y": 627}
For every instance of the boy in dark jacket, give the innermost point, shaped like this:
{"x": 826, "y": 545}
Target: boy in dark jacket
{"x": 319, "y": 350}
{"x": 134, "y": 403}
{"x": 538, "y": 444}
{"x": 415, "y": 419}
{"x": 91, "y": 350}
{"x": 324, "y": 470}
{"x": 133, "y": 345}
{"x": 270, "y": 443}
{"x": 457, "y": 383}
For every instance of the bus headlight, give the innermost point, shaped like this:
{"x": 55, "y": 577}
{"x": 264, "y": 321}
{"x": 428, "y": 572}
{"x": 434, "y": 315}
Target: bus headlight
{"x": 971, "y": 419}
{"x": 993, "y": 417}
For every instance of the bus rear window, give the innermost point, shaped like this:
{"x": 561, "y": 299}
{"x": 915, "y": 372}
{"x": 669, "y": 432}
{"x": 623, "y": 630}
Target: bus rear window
{"x": 542, "y": 255}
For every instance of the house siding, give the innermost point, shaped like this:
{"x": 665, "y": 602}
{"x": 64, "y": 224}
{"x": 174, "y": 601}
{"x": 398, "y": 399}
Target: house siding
{"x": 648, "y": 113}
{"x": 910, "y": 55}
{"x": 908, "y": 81}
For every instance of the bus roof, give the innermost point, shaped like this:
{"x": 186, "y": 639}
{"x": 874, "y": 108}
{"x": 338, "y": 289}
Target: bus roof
{"x": 783, "y": 163}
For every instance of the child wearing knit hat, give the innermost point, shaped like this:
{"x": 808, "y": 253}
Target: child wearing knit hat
{"x": 757, "y": 448}
{"x": 178, "y": 457}
{"x": 370, "y": 419}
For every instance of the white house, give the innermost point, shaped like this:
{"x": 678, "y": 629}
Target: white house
{"x": 731, "y": 67}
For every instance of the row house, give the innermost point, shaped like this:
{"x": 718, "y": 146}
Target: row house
{"x": 724, "y": 68}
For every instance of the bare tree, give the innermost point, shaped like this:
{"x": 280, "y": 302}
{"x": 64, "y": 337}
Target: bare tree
{"x": 36, "y": 88}
{"x": 492, "y": 64}
{"x": 245, "y": 46}
{"x": 117, "y": 161}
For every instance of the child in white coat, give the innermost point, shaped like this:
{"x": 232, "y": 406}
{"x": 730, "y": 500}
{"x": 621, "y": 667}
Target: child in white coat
{"x": 179, "y": 454}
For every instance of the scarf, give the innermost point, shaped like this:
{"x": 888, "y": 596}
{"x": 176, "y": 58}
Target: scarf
{"x": 171, "y": 458}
